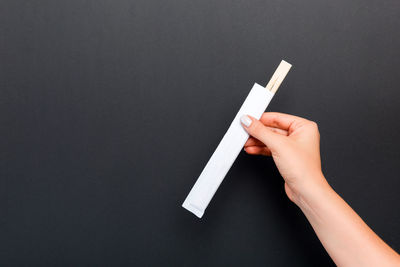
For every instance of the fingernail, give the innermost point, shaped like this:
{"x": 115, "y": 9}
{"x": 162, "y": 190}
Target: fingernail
{"x": 246, "y": 120}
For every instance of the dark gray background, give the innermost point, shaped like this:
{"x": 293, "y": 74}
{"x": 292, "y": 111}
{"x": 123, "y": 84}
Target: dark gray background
{"x": 110, "y": 110}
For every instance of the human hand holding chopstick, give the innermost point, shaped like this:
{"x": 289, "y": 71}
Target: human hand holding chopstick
{"x": 293, "y": 143}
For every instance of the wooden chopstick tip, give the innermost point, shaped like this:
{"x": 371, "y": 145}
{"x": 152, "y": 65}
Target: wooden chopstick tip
{"x": 287, "y": 64}
{"x": 278, "y": 76}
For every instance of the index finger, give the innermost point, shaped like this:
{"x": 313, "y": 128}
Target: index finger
{"x": 280, "y": 120}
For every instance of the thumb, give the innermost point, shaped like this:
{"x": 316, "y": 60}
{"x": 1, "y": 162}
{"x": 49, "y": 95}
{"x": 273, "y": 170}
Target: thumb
{"x": 258, "y": 130}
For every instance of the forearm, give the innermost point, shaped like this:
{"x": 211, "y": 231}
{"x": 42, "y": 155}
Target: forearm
{"x": 345, "y": 236}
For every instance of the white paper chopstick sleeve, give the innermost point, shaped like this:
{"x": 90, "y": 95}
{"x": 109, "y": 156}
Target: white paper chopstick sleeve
{"x": 227, "y": 151}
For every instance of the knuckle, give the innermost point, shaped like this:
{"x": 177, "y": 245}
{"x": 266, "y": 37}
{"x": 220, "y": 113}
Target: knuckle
{"x": 314, "y": 127}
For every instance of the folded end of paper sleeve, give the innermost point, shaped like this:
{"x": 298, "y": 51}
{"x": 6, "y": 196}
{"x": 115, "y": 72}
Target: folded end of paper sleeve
{"x": 193, "y": 209}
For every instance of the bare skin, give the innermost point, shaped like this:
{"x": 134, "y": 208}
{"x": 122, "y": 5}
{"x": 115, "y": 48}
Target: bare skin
{"x": 293, "y": 143}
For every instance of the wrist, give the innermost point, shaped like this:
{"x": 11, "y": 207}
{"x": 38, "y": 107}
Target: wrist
{"x": 312, "y": 191}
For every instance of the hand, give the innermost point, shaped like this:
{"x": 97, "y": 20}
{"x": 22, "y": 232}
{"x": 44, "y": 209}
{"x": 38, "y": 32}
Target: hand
{"x": 293, "y": 143}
